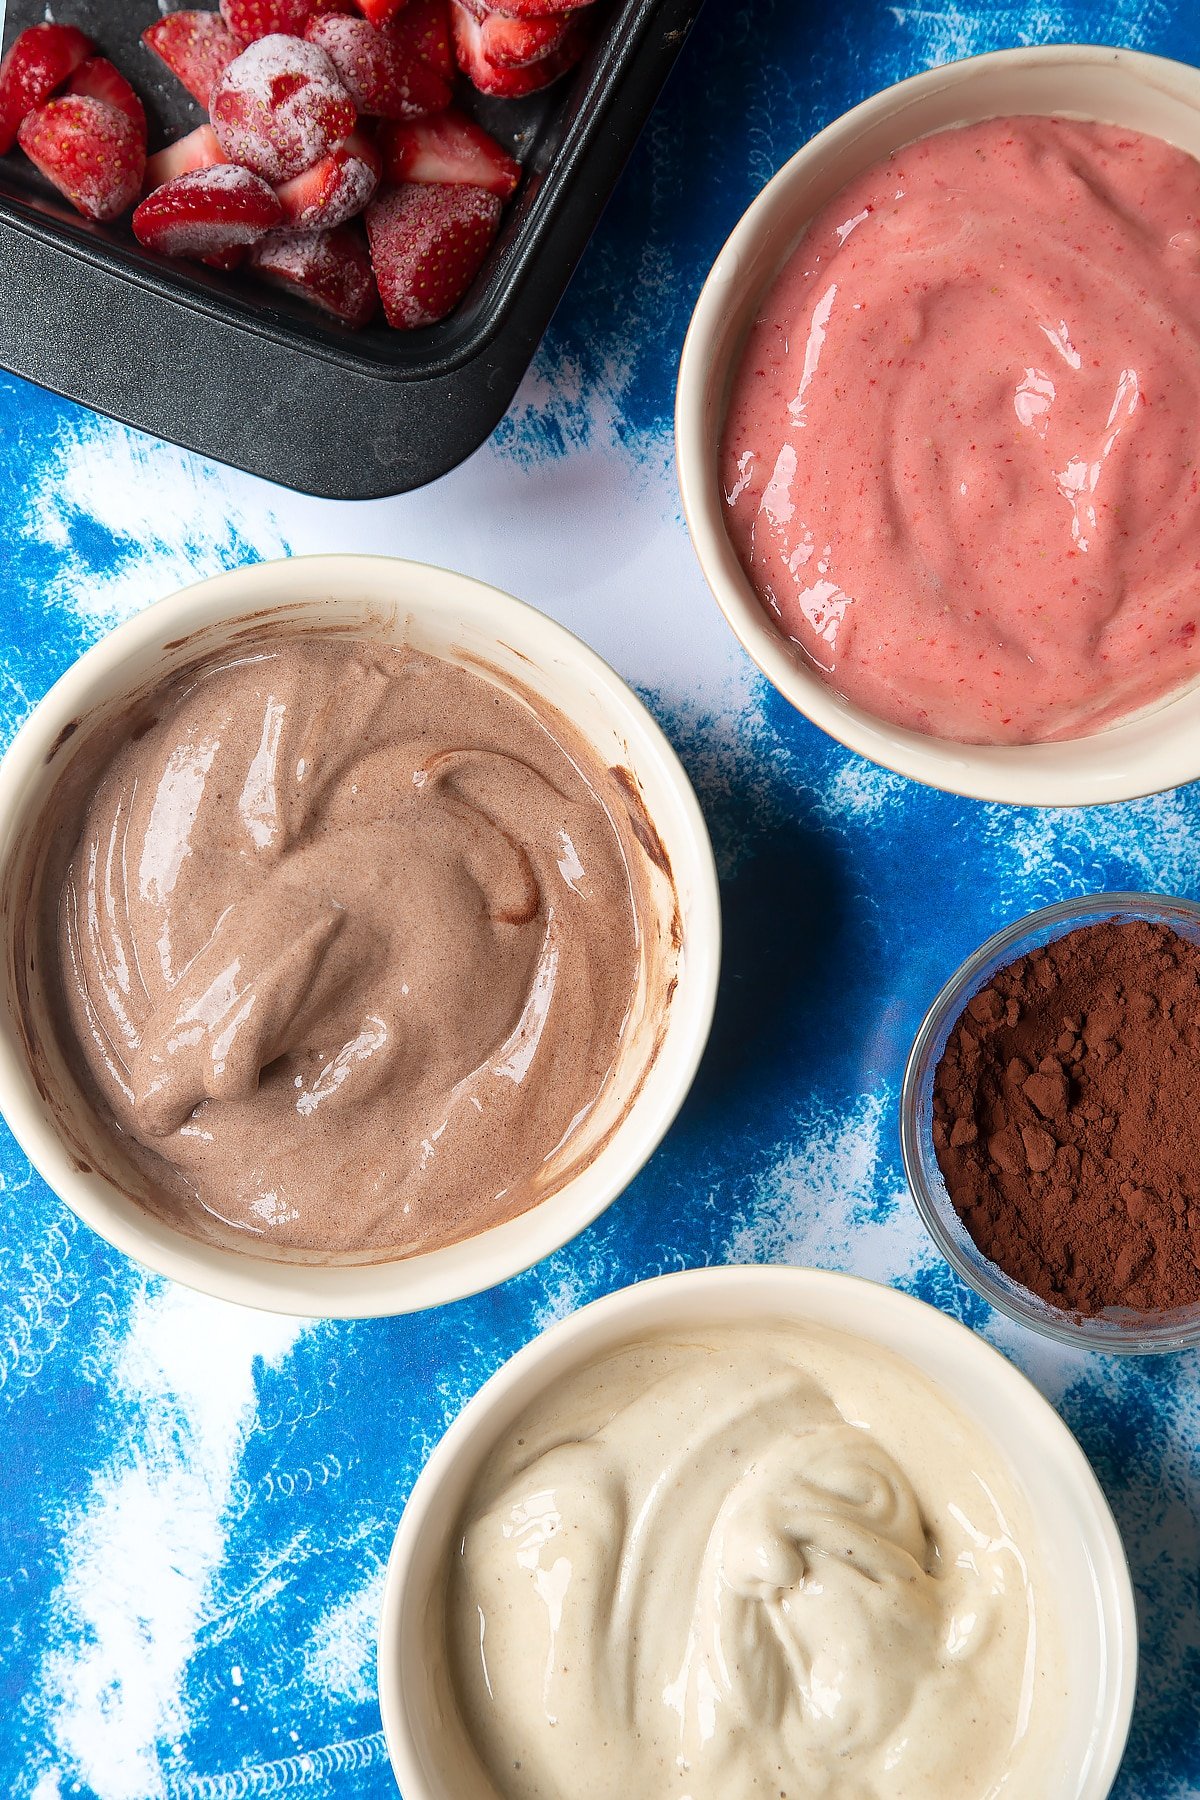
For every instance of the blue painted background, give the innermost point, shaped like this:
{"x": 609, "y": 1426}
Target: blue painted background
{"x": 198, "y": 1501}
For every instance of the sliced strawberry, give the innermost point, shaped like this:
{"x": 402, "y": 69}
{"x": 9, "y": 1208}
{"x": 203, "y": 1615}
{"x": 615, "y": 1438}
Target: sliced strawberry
{"x": 207, "y": 213}
{"x": 517, "y": 43}
{"x": 506, "y": 80}
{"x": 380, "y": 12}
{"x": 536, "y": 9}
{"x": 386, "y": 80}
{"x": 40, "y": 60}
{"x": 198, "y": 150}
{"x": 91, "y": 152}
{"x": 99, "y": 80}
{"x": 424, "y": 28}
{"x": 427, "y": 246}
{"x": 251, "y": 19}
{"x": 196, "y": 47}
{"x": 450, "y": 148}
{"x": 280, "y": 107}
{"x": 335, "y": 189}
{"x": 330, "y": 268}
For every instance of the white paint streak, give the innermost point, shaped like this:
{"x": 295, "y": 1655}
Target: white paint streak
{"x": 172, "y": 517}
{"x": 948, "y": 32}
{"x": 809, "y": 1207}
{"x": 859, "y": 790}
{"x": 340, "y": 1659}
{"x": 139, "y": 1555}
{"x": 1068, "y": 853}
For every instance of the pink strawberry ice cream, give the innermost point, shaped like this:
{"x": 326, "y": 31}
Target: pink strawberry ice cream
{"x": 962, "y": 451}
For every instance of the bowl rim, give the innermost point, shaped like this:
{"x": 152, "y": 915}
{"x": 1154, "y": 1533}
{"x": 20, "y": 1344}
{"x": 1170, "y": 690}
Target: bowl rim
{"x": 289, "y": 586}
{"x": 1113, "y": 1337}
{"x": 1026, "y": 774}
{"x": 880, "y": 1314}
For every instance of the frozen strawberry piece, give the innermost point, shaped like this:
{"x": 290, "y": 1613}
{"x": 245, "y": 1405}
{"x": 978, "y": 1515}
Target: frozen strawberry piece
{"x": 537, "y": 9}
{"x": 424, "y": 28}
{"x": 39, "y": 62}
{"x": 427, "y": 245}
{"x": 507, "y": 80}
{"x": 207, "y": 212}
{"x": 386, "y": 80}
{"x": 196, "y": 47}
{"x": 450, "y": 148}
{"x": 335, "y": 189}
{"x": 330, "y": 268}
{"x": 251, "y": 19}
{"x": 516, "y": 43}
{"x": 380, "y": 12}
{"x": 99, "y": 80}
{"x": 198, "y": 150}
{"x": 280, "y": 107}
{"x": 91, "y": 152}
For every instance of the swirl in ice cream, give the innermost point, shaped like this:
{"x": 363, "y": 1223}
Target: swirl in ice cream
{"x": 348, "y": 942}
{"x": 959, "y": 458}
{"x": 769, "y": 1563}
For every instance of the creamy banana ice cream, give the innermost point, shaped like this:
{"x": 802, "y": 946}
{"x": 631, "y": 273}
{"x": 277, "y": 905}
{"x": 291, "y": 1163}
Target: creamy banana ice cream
{"x": 757, "y": 1565}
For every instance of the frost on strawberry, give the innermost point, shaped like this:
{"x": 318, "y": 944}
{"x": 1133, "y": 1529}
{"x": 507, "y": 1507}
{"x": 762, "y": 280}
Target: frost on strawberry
{"x": 39, "y": 62}
{"x": 99, "y": 80}
{"x": 280, "y": 107}
{"x": 329, "y": 268}
{"x": 450, "y": 148}
{"x": 92, "y": 153}
{"x": 427, "y": 246}
{"x": 197, "y": 47}
{"x": 335, "y": 189}
{"x": 496, "y": 57}
{"x": 207, "y": 213}
{"x": 250, "y": 19}
{"x": 385, "y": 79}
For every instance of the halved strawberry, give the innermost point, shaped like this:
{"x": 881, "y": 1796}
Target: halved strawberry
{"x": 280, "y": 107}
{"x": 335, "y": 189}
{"x": 251, "y": 19}
{"x": 198, "y": 150}
{"x": 207, "y": 213}
{"x": 516, "y": 43}
{"x": 99, "y": 80}
{"x": 40, "y": 60}
{"x": 450, "y": 148}
{"x": 91, "y": 152}
{"x": 330, "y": 268}
{"x": 424, "y": 28}
{"x": 427, "y": 245}
{"x": 380, "y": 12}
{"x": 508, "y": 80}
{"x": 196, "y": 47}
{"x": 537, "y": 9}
{"x": 385, "y": 79}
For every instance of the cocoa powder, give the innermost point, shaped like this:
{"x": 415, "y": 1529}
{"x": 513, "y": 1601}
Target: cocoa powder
{"x": 1066, "y": 1119}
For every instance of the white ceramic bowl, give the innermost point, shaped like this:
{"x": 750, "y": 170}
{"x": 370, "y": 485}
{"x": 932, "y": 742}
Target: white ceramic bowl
{"x": 447, "y": 615}
{"x": 1080, "y": 1542}
{"x": 1157, "y": 750}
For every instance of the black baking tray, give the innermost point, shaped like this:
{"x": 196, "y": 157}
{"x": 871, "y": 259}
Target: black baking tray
{"x": 241, "y": 372}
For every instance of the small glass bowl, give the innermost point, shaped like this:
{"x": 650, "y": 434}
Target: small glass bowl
{"x": 1118, "y": 1330}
